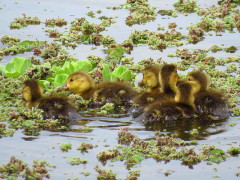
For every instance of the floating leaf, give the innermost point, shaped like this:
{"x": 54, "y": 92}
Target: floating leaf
{"x": 16, "y": 67}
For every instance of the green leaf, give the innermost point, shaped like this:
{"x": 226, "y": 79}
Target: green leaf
{"x": 29, "y": 45}
{"x": 16, "y": 67}
{"x": 106, "y": 72}
{"x": 21, "y": 64}
{"x": 44, "y": 83}
{"x": 122, "y": 73}
{"x": 3, "y": 69}
{"x": 60, "y": 79}
{"x": 84, "y": 66}
{"x": 27, "y": 123}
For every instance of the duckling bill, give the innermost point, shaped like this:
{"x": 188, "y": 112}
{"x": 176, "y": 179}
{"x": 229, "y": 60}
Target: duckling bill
{"x": 54, "y": 107}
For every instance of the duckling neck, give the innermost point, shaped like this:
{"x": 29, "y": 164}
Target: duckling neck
{"x": 155, "y": 89}
{"x": 88, "y": 94}
{"x": 189, "y": 101}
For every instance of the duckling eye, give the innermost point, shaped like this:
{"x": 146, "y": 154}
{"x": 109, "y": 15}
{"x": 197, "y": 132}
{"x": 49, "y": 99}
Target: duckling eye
{"x": 71, "y": 80}
{"x": 189, "y": 79}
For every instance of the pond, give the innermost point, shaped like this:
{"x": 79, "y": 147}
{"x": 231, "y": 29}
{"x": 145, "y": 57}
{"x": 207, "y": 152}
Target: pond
{"x": 104, "y": 130}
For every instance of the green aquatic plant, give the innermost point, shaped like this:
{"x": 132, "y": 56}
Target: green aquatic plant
{"x": 24, "y": 22}
{"x": 84, "y": 147}
{"x": 65, "y": 147}
{"x": 9, "y": 40}
{"x": 16, "y": 67}
{"x": 17, "y": 168}
{"x": 21, "y": 47}
{"x": 140, "y": 12}
{"x": 234, "y": 151}
{"x": 76, "y": 160}
{"x": 4, "y": 132}
{"x": 120, "y": 73}
{"x": 186, "y": 6}
{"x": 105, "y": 174}
{"x": 55, "y": 22}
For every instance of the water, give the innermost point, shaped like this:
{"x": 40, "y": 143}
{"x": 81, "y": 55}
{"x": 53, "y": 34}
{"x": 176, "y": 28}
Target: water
{"x": 46, "y": 146}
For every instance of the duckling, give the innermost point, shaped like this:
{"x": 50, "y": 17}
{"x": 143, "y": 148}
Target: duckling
{"x": 208, "y": 102}
{"x": 54, "y": 107}
{"x": 181, "y": 107}
{"x": 168, "y": 78}
{"x": 153, "y": 77}
{"x": 157, "y": 79}
{"x": 151, "y": 81}
{"x": 115, "y": 92}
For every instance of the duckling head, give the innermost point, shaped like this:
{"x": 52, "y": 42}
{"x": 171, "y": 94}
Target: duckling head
{"x": 186, "y": 92}
{"x": 199, "y": 77}
{"x": 31, "y": 90}
{"x": 150, "y": 77}
{"x": 80, "y": 82}
{"x": 168, "y": 78}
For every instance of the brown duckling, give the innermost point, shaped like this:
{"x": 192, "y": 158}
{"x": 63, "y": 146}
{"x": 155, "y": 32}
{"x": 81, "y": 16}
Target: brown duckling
{"x": 115, "y": 92}
{"x": 208, "y": 102}
{"x": 165, "y": 75}
{"x": 54, "y": 107}
{"x": 181, "y": 107}
{"x": 151, "y": 78}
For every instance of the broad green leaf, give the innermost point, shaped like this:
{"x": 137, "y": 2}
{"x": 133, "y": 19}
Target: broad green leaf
{"x": 44, "y": 83}
{"x": 27, "y": 123}
{"x": 3, "y": 69}
{"x": 84, "y": 66}
{"x": 16, "y": 67}
{"x": 12, "y": 74}
{"x": 106, "y": 72}
{"x": 29, "y": 45}
{"x": 21, "y": 64}
{"x": 60, "y": 79}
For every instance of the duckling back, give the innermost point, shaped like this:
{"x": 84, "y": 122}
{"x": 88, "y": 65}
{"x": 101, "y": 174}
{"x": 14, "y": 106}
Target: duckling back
{"x": 58, "y": 107}
{"x": 212, "y": 103}
{"x": 165, "y": 111}
{"x": 115, "y": 92}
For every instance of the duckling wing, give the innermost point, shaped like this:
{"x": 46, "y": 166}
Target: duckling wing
{"x": 212, "y": 102}
{"x": 114, "y": 92}
{"x": 57, "y": 108}
{"x": 159, "y": 111}
{"x": 145, "y": 98}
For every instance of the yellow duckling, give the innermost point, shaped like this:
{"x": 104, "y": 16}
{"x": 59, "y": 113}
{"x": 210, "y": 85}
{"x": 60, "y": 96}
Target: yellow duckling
{"x": 208, "y": 102}
{"x": 115, "y": 92}
{"x": 54, "y": 107}
{"x": 151, "y": 81}
{"x": 181, "y": 107}
{"x": 155, "y": 77}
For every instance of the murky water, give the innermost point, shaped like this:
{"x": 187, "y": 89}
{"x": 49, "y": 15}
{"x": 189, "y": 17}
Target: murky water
{"x": 105, "y": 129}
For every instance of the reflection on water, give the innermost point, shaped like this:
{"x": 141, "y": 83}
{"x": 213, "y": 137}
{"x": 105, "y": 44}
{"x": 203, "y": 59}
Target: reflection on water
{"x": 189, "y": 129}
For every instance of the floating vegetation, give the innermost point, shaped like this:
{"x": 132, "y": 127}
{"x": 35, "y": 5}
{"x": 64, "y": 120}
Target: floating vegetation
{"x": 20, "y": 47}
{"x": 163, "y": 148}
{"x": 56, "y": 22}
{"x": 4, "y": 132}
{"x": 84, "y": 147}
{"x": 17, "y": 168}
{"x": 105, "y": 174}
{"x": 24, "y": 22}
{"x": 76, "y": 160}
{"x": 65, "y": 147}
{"x": 140, "y": 12}
{"x": 157, "y": 40}
{"x": 186, "y": 6}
